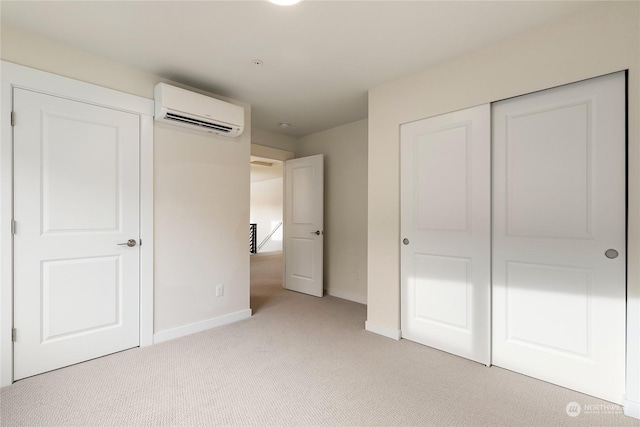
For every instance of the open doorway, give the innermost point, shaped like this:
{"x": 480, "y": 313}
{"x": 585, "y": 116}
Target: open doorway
{"x": 266, "y": 205}
{"x": 266, "y": 229}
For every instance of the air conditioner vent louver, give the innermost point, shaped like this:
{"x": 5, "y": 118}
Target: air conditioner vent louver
{"x": 192, "y": 110}
{"x": 196, "y": 122}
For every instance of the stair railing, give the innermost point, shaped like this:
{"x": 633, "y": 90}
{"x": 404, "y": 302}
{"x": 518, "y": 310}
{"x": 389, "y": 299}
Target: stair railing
{"x": 268, "y": 236}
{"x": 253, "y": 234}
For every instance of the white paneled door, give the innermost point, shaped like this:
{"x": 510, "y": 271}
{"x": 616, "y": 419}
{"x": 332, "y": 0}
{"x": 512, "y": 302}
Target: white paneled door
{"x": 445, "y": 227}
{"x": 304, "y": 225}
{"x": 559, "y": 236}
{"x": 76, "y": 274}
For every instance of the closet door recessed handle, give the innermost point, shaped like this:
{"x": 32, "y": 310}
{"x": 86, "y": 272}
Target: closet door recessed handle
{"x": 611, "y": 253}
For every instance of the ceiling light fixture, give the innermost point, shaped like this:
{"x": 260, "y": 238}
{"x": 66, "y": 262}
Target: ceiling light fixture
{"x": 285, "y": 2}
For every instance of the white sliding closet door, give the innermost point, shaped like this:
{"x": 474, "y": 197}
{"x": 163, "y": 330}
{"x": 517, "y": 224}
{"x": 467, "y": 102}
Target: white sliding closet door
{"x": 559, "y": 236}
{"x": 445, "y": 226}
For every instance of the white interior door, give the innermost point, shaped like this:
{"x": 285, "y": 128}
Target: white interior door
{"x": 559, "y": 236}
{"x": 304, "y": 224}
{"x": 76, "y": 178}
{"x": 445, "y": 226}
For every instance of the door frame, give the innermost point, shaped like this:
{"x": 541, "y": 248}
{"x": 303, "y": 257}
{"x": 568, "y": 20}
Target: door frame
{"x": 280, "y": 155}
{"x": 14, "y": 75}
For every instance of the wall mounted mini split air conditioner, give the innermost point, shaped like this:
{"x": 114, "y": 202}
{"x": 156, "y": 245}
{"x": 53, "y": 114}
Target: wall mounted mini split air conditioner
{"x": 199, "y": 112}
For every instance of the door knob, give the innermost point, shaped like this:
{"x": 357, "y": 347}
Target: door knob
{"x": 131, "y": 243}
{"x": 405, "y": 241}
{"x": 317, "y": 232}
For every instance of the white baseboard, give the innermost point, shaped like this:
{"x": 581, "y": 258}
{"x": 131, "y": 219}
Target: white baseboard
{"x": 631, "y": 408}
{"x": 351, "y": 296}
{"x": 394, "y": 334}
{"x": 192, "y": 328}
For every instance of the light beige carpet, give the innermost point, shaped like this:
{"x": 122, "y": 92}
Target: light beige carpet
{"x": 300, "y": 361}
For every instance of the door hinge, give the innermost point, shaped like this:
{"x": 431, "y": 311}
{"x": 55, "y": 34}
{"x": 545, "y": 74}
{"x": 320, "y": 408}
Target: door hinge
{"x": 140, "y": 242}
{"x": 13, "y": 226}
{"x": 13, "y": 335}
{"x": 13, "y": 118}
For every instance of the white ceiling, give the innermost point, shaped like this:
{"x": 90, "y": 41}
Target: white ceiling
{"x": 320, "y": 57}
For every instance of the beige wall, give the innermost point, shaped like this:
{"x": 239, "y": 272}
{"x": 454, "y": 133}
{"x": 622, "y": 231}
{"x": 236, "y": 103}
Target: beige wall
{"x": 271, "y": 153}
{"x": 34, "y": 51}
{"x": 201, "y": 227}
{"x": 600, "y": 41}
{"x": 345, "y": 251}
{"x": 274, "y": 140}
{"x": 201, "y": 192}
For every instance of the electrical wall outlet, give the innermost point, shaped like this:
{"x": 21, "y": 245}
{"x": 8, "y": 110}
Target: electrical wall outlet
{"x": 219, "y": 290}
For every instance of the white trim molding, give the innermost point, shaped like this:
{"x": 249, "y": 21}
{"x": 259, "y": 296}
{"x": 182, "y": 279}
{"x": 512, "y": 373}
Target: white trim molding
{"x": 203, "y": 325}
{"x": 631, "y": 408}
{"x": 13, "y": 75}
{"x": 146, "y": 230}
{"x": 394, "y": 334}
{"x": 632, "y": 392}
